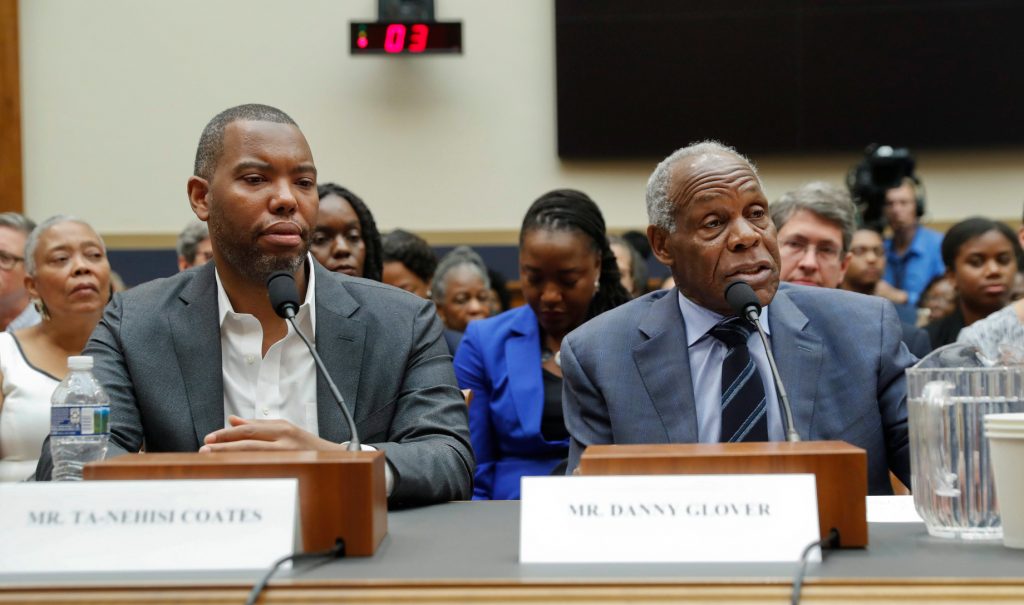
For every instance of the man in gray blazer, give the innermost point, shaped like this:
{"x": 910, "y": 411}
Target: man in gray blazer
{"x": 651, "y": 371}
{"x": 201, "y": 362}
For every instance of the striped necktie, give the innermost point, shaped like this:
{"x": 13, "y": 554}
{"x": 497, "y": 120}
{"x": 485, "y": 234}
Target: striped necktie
{"x": 744, "y": 407}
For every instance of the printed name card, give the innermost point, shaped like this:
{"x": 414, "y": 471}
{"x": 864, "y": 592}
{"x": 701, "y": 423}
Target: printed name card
{"x": 667, "y": 518}
{"x": 119, "y": 526}
{"x": 892, "y": 509}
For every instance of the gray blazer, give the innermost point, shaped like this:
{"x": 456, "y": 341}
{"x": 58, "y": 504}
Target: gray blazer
{"x": 627, "y": 375}
{"x": 157, "y": 354}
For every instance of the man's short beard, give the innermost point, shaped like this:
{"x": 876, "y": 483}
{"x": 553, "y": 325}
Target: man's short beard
{"x": 255, "y": 266}
{"x": 246, "y": 258}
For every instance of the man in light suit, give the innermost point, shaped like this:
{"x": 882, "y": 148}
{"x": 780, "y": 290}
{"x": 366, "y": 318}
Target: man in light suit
{"x": 652, "y": 371}
{"x": 200, "y": 361}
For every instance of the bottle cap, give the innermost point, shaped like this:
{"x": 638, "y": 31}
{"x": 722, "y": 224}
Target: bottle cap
{"x": 80, "y": 362}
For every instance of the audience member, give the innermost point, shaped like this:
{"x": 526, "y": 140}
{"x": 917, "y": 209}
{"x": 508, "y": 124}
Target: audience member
{"x": 194, "y": 248}
{"x": 815, "y": 225}
{"x": 913, "y": 256}
{"x": 938, "y": 300}
{"x": 982, "y": 256}
{"x": 461, "y": 292}
{"x": 631, "y": 266}
{"x": 68, "y": 276}
{"x": 511, "y": 362}
{"x": 655, "y": 369}
{"x": 346, "y": 239}
{"x": 638, "y": 240}
{"x": 1000, "y": 336}
{"x": 867, "y": 262}
{"x": 409, "y": 262}
{"x": 864, "y": 275}
{"x": 501, "y": 300}
{"x": 15, "y": 311}
{"x": 154, "y": 346}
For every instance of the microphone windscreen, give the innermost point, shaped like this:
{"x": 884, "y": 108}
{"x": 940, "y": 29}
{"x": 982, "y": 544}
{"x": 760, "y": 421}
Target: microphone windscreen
{"x": 742, "y": 299}
{"x": 284, "y": 294}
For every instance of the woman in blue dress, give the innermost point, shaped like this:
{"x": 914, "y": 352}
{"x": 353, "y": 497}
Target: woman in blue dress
{"x": 511, "y": 362}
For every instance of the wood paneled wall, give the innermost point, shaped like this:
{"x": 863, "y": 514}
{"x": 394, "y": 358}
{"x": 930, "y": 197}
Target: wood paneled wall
{"x": 11, "y": 188}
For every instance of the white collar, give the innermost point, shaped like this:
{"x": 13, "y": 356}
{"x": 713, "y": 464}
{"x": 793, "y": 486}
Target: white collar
{"x": 699, "y": 320}
{"x": 224, "y": 308}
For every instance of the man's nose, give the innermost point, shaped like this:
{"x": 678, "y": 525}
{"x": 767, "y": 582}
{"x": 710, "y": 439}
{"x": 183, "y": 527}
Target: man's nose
{"x": 283, "y": 200}
{"x": 808, "y": 260}
{"x": 743, "y": 235}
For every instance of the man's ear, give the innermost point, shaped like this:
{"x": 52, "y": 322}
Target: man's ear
{"x": 843, "y": 267}
{"x": 659, "y": 245}
{"x": 199, "y": 196}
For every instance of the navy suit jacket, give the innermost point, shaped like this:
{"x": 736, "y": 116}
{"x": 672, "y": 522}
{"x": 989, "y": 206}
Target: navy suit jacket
{"x": 840, "y": 355}
{"x": 500, "y": 360}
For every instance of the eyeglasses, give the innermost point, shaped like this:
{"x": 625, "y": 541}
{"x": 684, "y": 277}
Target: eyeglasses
{"x": 795, "y": 247}
{"x": 8, "y": 261}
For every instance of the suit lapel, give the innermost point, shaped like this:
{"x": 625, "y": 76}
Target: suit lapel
{"x": 522, "y": 355}
{"x": 664, "y": 365}
{"x": 195, "y": 328}
{"x": 798, "y": 354}
{"x": 339, "y": 341}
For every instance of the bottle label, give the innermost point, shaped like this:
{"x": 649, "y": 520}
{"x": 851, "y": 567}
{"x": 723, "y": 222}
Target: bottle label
{"x": 80, "y": 420}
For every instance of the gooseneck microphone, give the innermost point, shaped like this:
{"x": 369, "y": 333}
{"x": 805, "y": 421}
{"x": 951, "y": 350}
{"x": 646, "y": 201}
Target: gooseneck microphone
{"x": 743, "y": 301}
{"x": 284, "y": 298}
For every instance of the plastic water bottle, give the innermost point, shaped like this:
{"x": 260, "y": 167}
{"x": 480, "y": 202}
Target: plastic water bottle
{"x": 79, "y": 421}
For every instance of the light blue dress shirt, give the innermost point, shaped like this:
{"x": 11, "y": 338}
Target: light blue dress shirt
{"x": 919, "y": 265}
{"x": 706, "y": 356}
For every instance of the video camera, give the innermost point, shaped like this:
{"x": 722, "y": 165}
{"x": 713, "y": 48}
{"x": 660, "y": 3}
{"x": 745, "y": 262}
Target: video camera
{"x": 882, "y": 168}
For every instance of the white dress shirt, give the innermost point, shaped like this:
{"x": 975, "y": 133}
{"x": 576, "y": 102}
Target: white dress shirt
{"x": 281, "y": 384}
{"x": 706, "y": 356}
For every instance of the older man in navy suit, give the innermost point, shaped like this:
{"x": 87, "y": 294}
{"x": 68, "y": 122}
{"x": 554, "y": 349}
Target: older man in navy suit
{"x": 677, "y": 366}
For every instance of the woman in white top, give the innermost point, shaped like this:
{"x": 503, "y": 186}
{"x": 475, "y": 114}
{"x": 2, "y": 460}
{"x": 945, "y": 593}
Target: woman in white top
{"x": 1000, "y": 336}
{"x": 68, "y": 277}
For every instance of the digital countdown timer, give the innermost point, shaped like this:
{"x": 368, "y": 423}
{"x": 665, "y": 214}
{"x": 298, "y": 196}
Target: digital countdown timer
{"x": 405, "y": 38}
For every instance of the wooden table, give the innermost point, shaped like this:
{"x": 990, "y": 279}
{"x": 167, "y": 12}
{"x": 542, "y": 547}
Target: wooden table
{"x": 467, "y": 552}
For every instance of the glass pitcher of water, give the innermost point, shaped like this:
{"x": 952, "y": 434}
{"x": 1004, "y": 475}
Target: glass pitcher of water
{"x": 948, "y": 394}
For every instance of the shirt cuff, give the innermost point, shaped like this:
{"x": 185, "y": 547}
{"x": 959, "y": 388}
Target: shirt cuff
{"x": 389, "y": 475}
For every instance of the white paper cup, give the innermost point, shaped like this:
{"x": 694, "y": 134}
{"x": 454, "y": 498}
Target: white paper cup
{"x": 1012, "y": 420}
{"x": 1007, "y": 451}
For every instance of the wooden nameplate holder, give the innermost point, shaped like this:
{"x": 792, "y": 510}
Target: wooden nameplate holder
{"x": 341, "y": 494}
{"x": 840, "y": 470}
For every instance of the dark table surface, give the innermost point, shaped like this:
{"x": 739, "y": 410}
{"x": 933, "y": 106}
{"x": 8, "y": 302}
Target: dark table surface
{"x": 479, "y": 542}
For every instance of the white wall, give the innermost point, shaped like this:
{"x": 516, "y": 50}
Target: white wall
{"x": 116, "y": 92}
